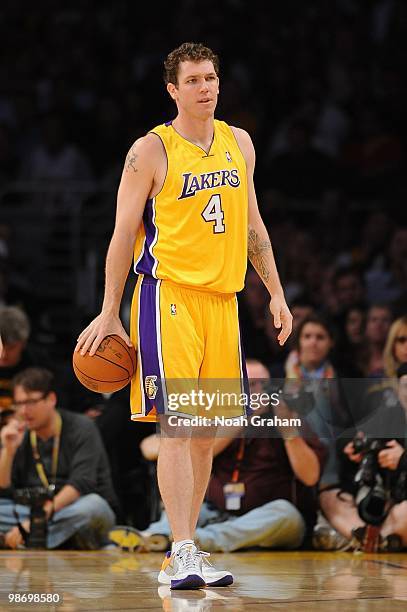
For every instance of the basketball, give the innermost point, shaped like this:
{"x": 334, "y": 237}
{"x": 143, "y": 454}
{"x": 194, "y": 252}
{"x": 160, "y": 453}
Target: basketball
{"x": 110, "y": 369}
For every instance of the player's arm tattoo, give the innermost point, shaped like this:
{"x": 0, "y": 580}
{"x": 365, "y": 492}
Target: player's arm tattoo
{"x": 258, "y": 251}
{"x": 131, "y": 160}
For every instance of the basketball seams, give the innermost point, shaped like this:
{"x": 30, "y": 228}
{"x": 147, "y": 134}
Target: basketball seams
{"x": 112, "y": 369}
{"x": 131, "y": 355}
{"x": 98, "y": 379}
{"x": 122, "y": 367}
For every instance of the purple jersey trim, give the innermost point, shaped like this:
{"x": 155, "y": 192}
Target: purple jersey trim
{"x": 148, "y": 339}
{"x": 245, "y": 381}
{"x": 147, "y": 262}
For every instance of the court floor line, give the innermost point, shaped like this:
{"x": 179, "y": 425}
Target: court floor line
{"x": 388, "y": 563}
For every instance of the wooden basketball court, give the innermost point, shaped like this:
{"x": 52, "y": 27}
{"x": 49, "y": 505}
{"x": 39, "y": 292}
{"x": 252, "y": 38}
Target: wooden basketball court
{"x": 112, "y": 580}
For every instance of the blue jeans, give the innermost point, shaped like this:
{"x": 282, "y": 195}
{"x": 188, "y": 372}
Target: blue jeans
{"x": 277, "y": 524}
{"x": 89, "y": 518}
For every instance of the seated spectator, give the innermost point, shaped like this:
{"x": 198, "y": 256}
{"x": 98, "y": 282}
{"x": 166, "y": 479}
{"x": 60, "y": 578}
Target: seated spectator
{"x": 310, "y": 357}
{"x": 275, "y": 476}
{"x": 378, "y": 321}
{"x": 16, "y": 356}
{"x": 80, "y": 511}
{"x": 395, "y": 350}
{"x": 386, "y": 423}
{"x": 350, "y": 351}
{"x": 348, "y": 287}
{"x": 387, "y": 280}
{"x": 310, "y": 370}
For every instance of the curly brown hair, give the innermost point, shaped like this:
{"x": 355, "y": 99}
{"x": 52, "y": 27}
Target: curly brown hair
{"x": 194, "y": 52}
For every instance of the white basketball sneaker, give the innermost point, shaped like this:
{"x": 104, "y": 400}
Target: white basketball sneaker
{"x": 183, "y": 569}
{"x": 214, "y": 577}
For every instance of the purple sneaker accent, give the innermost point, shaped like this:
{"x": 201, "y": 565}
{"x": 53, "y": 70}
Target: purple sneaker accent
{"x": 223, "y": 582}
{"x": 189, "y": 582}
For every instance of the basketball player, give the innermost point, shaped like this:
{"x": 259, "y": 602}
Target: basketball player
{"x": 187, "y": 208}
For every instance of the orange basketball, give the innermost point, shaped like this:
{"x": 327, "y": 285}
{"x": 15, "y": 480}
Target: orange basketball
{"x": 111, "y": 368}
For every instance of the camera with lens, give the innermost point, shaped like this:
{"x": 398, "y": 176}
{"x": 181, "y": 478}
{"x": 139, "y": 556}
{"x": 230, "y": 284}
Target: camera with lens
{"x": 298, "y": 397}
{"x": 373, "y": 496}
{"x": 35, "y": 497}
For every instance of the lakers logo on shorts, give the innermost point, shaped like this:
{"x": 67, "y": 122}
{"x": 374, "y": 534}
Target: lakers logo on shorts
{"x": 150, "y": 386}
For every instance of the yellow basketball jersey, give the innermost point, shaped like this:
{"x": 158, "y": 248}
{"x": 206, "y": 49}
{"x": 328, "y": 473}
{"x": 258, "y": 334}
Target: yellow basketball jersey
{"x": 194, "y": 232}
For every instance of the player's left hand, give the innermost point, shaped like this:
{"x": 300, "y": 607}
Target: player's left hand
{"x": 282, "y": 318}
{"x": 390, "y": 456}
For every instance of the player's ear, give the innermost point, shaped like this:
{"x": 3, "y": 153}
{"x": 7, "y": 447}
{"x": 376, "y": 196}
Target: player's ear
{"x": 172, "y": 90}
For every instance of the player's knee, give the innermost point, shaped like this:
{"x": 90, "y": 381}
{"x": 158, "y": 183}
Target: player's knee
{"x": 170, "y": 444}
{"x": 202, "y": 444}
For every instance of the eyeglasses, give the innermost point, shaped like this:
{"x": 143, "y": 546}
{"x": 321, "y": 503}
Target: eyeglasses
{"x": 401, "y": 339}
{"x": 28, "y": 402}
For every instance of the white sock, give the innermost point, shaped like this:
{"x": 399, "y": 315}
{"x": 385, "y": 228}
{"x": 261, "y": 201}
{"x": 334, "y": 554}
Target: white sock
{"x": 177, "y": 545}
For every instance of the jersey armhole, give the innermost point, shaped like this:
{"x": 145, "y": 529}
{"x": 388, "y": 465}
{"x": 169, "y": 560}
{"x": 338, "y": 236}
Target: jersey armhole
{"x": 239, "y": 147}
{"x": 166, "y": 157}
{"x": 237, "y": 142}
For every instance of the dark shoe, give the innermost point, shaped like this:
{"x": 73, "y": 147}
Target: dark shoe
{"x": 85, "y": 539}
{"x": 392, "y": 543}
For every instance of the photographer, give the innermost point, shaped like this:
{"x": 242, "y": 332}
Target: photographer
{"x": 370, "y": 508}
{"x": 58, "y": 459}
{"x": 262, "y": 489}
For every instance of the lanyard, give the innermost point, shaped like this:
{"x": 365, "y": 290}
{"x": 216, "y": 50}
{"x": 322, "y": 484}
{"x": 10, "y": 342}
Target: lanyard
{"x": 239, "y": 459}
{"x": 55, "y": 452}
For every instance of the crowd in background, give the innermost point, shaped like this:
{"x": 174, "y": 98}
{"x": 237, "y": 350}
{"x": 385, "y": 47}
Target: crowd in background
{"x": 321, "y": 89}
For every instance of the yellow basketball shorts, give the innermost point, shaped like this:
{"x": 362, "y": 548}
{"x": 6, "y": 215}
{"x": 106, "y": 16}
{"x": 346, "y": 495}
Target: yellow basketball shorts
{"x": 188, "y": 346}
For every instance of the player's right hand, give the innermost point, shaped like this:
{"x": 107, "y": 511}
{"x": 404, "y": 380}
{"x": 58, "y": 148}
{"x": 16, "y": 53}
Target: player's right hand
{"x": 11, "y": 436}
{"x": 103, "y": 325}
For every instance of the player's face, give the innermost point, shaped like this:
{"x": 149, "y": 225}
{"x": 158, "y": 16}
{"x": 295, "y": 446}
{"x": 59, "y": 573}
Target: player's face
{"x": 197, "y": 90}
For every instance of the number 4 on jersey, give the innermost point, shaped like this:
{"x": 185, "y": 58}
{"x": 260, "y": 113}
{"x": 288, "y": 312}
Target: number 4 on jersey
{"x": 213, "y": 213}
